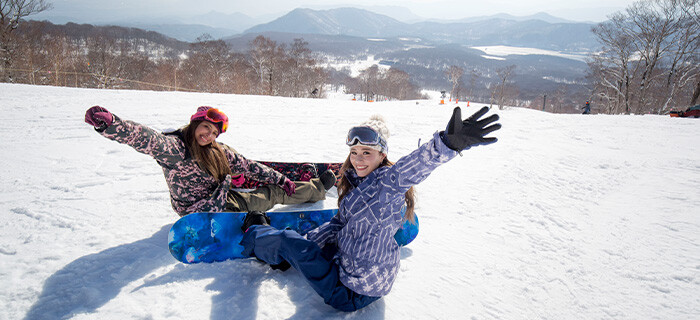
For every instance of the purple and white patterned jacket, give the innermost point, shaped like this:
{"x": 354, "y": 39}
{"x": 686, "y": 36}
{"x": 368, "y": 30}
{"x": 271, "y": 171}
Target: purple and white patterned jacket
{"x": 192, "y": 189}
{"x": 370, "y": 215}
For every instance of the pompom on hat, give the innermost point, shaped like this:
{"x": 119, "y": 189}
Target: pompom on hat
{"x": 213, "y": 115}
{"x": 375, "y": 139}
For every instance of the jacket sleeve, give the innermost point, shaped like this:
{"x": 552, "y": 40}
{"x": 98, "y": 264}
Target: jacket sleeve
{"x": 415, "y": 167}
{"x": 250, "y": 168}
{"x": 215, "y": 203}
{"x": 167, "y": 150}
{"x": 327, "y": 232}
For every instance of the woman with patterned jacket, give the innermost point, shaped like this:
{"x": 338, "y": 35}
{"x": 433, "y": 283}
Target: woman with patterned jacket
{"x": 353, "y": 260}
{"x": 200, "y": 172}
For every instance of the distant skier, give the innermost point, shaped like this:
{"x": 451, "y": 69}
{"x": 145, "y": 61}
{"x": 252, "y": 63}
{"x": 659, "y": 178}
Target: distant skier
{"x": 353, "y": 260}
{"x": 200, "y": 172}
{"x": 587, "y": 108}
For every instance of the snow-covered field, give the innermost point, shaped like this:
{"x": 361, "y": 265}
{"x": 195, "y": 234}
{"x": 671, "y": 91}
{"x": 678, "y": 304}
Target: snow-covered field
{"x": 356, "y": 66}
{"x": 566, "y": 217}
{"x": 499, "y": 52}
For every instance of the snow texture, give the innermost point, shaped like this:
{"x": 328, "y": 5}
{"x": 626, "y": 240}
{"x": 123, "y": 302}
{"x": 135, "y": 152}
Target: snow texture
{"x": 566, "y": 217}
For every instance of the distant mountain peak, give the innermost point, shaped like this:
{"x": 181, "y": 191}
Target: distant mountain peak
{"x": 345, "y": 20}
{"x": 543, "y": 16}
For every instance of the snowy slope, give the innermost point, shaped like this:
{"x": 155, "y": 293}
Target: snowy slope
{"x": 566, "y": 217}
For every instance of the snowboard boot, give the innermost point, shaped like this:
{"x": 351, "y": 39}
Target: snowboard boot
{"x": 328, "y": 179}
{"x": 260, "y": 218}
{"x": 307, "y": 172}
{"x": 255, "y": 218}
{"x": 282, "y": 266}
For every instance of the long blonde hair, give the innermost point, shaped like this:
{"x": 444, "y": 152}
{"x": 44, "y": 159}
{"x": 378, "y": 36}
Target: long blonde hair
{"x": 211, "y": 158}
{"x": 344, "y": 187}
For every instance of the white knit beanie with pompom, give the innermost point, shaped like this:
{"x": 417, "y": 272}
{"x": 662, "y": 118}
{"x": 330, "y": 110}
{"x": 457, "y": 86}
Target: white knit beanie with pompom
{"x": 378, "y": 124}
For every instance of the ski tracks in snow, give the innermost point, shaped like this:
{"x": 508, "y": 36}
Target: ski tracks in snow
{"x": 566, "y": 216}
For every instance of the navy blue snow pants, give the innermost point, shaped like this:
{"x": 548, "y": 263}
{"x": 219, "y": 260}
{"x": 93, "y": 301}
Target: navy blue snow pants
{"x": 273, "y": 246}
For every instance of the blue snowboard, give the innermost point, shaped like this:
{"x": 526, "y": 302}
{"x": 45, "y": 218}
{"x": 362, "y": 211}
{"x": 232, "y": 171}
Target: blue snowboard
{"x": 214, "y": 236}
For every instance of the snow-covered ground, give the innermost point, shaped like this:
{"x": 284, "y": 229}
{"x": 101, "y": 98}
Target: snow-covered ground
{"x": 566, "y": 217}
{"x": 499, "y": 52}
{"x": 356, "y": 66}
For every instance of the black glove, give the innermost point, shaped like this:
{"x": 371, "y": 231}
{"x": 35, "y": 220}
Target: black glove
{"x": 461, "y": 135}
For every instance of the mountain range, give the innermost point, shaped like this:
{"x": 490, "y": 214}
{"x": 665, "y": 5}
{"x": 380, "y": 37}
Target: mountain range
{"x": 485, "y": 31}
{"x": 540, "y": 30}
{"x": 422, "y": 49}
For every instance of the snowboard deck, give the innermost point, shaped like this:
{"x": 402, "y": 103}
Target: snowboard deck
{"x": 215, "y": 236}
{"x": 293, "y": 170}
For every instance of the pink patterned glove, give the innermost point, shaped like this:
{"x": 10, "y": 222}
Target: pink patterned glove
{"x": 237, "y": 181}
{"x": 288, "y": 186}
{"x": 99, "y": 117}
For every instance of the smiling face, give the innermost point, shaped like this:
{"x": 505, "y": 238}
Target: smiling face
{"x": 365, "y": 159}
{"x": 205, "y": 133}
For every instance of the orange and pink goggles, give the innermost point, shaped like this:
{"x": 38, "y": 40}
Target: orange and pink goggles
{"x": 212, "y": 115}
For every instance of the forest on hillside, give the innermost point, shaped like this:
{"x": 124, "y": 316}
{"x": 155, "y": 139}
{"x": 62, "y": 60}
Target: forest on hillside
{"x": 648, "y": 62}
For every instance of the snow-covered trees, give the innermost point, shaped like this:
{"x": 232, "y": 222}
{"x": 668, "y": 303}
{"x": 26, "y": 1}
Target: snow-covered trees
{"x": 279, "y": 71}
{"x": 454, "y": 76}
{"x": 650, "y": 57}
{"x": 11, "y": 14}
{"x": 114, "y": 57}
{"x": 376, "y": 84}
{"x": 127, "y": 58}
{"x": 502, "y": 91}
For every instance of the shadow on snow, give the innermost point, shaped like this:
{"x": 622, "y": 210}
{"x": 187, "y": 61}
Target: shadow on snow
{"x": 90, "y": 282}
{"x": 93, "y": 280}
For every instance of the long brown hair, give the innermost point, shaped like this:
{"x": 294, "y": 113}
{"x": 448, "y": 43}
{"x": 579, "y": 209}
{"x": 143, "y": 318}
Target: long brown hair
{"x": 344, "y": 187}
{"x": 211, "y": 157}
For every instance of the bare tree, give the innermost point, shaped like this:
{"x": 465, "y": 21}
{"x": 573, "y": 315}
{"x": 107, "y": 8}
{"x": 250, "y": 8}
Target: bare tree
{"x": 649, "y": 57}
{"x": 502, "y": 90}
{"x": 374, "y": 83}
{"x": 166, "y": 73}
{"x": 683, "y": 60}
{"x": 652, "y": 25}
{"x": 209, "y": 67}
{"x": 11, "y": 13}
{"x": 691, "y": 8}
{"x": 612, "y": 66}
{"x": 265, "y": 57}
{"x": 369, "y": 79}
{"x": 30, "y": 61}
{"x": 106, "y": 61}
{"x": 400, "y": 86}
{"x": 299, "y": 81}
{"x": 454, "y": 76}
{"x": 59, "y": 50}
{"x": 473, "y": 77}
{"x": 558, "y": 99}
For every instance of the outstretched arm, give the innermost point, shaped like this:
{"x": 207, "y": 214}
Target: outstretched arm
{"x": 166, "y": 150}
{"x": 459, "y": 135}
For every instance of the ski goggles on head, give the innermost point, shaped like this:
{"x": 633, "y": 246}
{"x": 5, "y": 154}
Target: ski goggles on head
{"x": 212, "y": 115}
{"x": 365, "y": 136}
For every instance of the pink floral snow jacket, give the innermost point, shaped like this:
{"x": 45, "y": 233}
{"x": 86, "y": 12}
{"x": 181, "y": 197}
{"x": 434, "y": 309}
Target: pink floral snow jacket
{"x": 192, "y": 189}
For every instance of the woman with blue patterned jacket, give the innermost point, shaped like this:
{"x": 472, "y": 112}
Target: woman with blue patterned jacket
{"x": 353, "y": 260}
